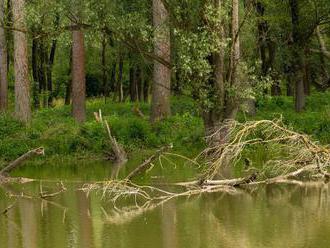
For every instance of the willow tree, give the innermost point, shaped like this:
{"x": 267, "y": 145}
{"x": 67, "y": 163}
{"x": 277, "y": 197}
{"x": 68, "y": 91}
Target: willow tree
{"x": 224, "y": 87}
{"x": 161, "y": 88}
{"x": 22, "y": 82}
{"x": 78, "y": 70}
{"x": 3, "y": 61}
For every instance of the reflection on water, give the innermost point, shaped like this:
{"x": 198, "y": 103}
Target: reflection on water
{"x": 270, "y": 216}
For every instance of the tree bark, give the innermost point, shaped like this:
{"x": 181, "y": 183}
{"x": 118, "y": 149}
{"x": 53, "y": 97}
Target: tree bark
{"x": 104, "y": 69}
{"x": 232, "y": 103}
{"x": 161, "y": 88}
{"x": 120, "y": 79}
{"x": 132, "y": 84}
{"x": 323, "y": 54}
{"x": 68, "y": 88}
{"x": 78, "y": 77}
{"x": 22, "y": 82}
{"x": 50, "y": 72}
{"x": 3, "y": 62}
{"x": 139, "y": 83}
{"x": 297, "y": 57}
{"x": 35, "y": 72}
{"x": 146, "y": 90}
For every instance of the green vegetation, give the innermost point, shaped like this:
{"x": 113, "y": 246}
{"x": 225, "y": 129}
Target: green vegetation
{"x": 56, "y": 130}
{"x": 315, "y": 121}
{"x": 62, "y": 137}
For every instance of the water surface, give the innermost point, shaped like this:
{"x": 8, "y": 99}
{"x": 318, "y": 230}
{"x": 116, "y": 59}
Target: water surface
{"x": 267, "y": 216}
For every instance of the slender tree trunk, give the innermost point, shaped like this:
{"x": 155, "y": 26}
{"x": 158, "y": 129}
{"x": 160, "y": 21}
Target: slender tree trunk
{"x": 132, "y": 84}
{"x": 297, "y": 57}
{"x": 50, "y": 72}
{"x": 232, "y": 103}
{"x": 219, "y": 63}
{"x": 35, "y": 73}
{"x": 113, "y": 77}
{"x": 146, "y": 90}
{"x": 78, "y": 76}
{"x": 139, "y": 83}
{"x": 323, "y": 53}
{"x": 3, "y": 62}
{"x": 307, "y": 75}
{"x": 42, "y": 72}
{"x": 120, "y": 79}
{"x": 104, "y": 69}
{"x": 161, "y": 88}
{"x": 9, "y": 34}
{"x": 289, "y": 86}
{"x": 69, "y": 83}
{"x": 22, "y": 82}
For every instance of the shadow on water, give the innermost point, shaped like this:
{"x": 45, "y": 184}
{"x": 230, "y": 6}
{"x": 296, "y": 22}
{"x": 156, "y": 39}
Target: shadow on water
{"x": 268, "y": 216}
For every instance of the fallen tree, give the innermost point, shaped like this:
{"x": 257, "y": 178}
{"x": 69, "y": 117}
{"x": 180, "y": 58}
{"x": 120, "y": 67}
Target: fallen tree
{"x": 294, "y": 159}
{"x": 19, "y": 161}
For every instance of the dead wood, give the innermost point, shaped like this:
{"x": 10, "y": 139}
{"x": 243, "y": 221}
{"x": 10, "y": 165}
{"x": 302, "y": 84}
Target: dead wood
{"x": 18, "y": 162}
{"x": 120, "y": 156}
{"x": 147, "y": 163}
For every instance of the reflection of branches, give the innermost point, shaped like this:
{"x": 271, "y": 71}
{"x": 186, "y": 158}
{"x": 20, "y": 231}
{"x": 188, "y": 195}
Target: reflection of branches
{"x": 42, "y": 196}
{"x": 5, "y": 211}
{"x": 141, "y": 199}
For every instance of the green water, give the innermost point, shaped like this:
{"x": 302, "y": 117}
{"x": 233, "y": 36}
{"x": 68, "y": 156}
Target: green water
{"x": 267, "y": 216}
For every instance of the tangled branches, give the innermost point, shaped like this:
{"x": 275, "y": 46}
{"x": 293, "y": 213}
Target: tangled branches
{"x": 290, "y": 154}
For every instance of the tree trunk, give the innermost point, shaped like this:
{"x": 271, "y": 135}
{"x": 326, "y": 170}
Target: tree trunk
{"x": 297, "y": 57}
{"x": 42, "y": 72}
{"x": 50, "y": 72}
{"x": 22, "y": 83}
{"x": 139, "y": 83}
{"x": 78, "y": 76}
{"x": 120, "y": 79}
{"x": 3, "y": 62}
{"x": 9, "y": 34}
{"x": 146, "y": 90}
{"x": 161, "y": 88}
{"x": 104, "y": 69}
{"x": 113, "y": 77}
{"x": 219, "y": 63}
{"x": 35, "y": 73}
{"x": 307, "y": 75}
{"x": 132, "y": 84}
{"x": 323, "y": 55}
{"x": 232, "y": 103}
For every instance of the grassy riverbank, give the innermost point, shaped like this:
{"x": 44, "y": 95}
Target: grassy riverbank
{"x": 55, "y": 130}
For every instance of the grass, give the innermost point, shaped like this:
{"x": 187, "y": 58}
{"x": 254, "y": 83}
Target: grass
{"x": 55, "y": 130}
{"x": 314, "y": 121}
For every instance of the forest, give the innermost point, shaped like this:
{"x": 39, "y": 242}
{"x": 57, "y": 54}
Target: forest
{"x": 153, "y": 101}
